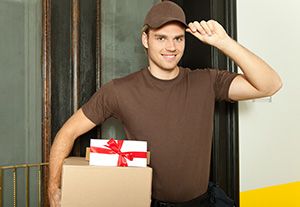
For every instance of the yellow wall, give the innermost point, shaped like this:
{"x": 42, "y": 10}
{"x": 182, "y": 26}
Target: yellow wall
{"x": 286, "y": 195}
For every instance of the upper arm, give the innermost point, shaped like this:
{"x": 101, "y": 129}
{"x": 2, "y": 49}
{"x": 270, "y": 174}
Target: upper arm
{"x": 78, "y": 124}
{"x": 241, "y": 89}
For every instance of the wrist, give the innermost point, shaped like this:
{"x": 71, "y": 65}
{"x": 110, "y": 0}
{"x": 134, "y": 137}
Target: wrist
{"x": 225, "y": 43}
{"x": 53, "y": 187}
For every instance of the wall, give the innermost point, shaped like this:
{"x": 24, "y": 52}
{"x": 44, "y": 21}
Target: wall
{"x": 20, "y": 91}
{"x": 269, "y": 131}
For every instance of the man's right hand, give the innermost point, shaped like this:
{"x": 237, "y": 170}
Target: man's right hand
{"x": 54, "y": 195}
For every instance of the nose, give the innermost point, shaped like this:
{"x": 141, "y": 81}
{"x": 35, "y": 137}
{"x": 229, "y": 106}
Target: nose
{"x": 170, "y": 45}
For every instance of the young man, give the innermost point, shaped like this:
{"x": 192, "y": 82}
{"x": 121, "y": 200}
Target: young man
{"x": 170, "y": 107}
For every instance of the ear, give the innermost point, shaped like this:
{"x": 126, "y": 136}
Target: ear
{"x": 145, "y": 40}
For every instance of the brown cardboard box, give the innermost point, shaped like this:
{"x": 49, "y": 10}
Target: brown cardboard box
{"x": 85, "y": 185}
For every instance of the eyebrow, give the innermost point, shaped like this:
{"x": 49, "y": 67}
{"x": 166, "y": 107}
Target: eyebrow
{"x": 162, "y": 35}
{"x": 179, "y": 36}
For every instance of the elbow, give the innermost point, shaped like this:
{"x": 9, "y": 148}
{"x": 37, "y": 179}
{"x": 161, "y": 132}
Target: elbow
{"x": 69, "y": 134}
{"x": 280, "y": 84}
{"x": 275, "y": 88}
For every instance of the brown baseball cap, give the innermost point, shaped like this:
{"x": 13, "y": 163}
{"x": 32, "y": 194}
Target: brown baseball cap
{"x": 164, "y": 12}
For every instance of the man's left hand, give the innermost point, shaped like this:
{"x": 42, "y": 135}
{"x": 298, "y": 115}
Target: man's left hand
{"x": 209, "y": 32}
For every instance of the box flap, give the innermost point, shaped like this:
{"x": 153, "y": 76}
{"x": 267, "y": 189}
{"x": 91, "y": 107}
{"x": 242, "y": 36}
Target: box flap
{"x": 76, "y": 161}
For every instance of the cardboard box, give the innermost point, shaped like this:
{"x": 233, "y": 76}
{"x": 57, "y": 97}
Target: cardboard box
{"x": 104, "y": 152}
{"x": 89, "y": 186}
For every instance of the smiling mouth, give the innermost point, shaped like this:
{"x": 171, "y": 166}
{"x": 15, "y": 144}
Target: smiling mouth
{"x": 169, "y": 56}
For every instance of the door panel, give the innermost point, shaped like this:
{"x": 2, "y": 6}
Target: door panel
{"x": 225, "y": 156}
{"x": 121, "y": 50}
{"x": 110, "y": 47}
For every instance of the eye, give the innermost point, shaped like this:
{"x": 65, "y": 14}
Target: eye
{"x": 161, "y": 38}
{"x": 179, "y": 39}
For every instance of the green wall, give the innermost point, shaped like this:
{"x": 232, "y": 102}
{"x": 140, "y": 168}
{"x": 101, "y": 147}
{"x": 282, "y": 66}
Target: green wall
{"x": 20, "y": 92}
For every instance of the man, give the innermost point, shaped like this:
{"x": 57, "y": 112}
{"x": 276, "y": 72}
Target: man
{"x": 170, "y": 107}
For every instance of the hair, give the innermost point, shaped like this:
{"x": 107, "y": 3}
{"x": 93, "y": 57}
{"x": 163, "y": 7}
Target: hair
{"x": 145, "y": 29}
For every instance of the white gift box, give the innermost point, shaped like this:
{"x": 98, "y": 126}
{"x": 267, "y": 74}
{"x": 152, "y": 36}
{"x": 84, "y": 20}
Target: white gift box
{"x": 104, "y": 152}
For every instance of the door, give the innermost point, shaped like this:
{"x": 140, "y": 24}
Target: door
{"x": 225, "y": 154}
{"x": 85, "y": 42}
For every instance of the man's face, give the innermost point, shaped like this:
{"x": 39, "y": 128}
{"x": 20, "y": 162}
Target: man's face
{"x": 165, "y": 45}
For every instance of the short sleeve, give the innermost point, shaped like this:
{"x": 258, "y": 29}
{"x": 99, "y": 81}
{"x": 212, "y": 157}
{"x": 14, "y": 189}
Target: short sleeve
{"x": 222, "y": 80}
{"x": 102, "y": 105}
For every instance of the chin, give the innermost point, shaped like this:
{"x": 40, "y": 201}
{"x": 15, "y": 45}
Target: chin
{"x": 169, "y": 66}
{"x": 165, "y": 65}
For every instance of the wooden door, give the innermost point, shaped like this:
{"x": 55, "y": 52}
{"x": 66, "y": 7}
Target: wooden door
{"x": 225, "y": 149}
{"x": 75, "y": 64}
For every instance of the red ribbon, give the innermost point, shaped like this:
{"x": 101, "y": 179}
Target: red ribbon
{"x": 114, "y": 147}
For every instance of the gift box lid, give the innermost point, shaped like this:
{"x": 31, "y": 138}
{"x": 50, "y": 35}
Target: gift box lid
{"x": 126, "y": 153}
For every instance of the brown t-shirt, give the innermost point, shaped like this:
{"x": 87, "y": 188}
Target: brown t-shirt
{"x": 174, "y": 116}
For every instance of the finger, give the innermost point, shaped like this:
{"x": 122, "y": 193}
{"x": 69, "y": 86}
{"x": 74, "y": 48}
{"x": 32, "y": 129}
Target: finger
{"x": 199, "y": 28}
{"x": 211, "y": 25}
{"x": 192, "y": 27}
{"x": 188, "y": 30}
{"x": 205, "y": 27}
{"x": 196, "y": 34}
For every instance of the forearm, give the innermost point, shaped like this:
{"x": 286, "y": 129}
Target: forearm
{"x": 258, "y": 73}
{"x": 76, "y": 125}
{"x": 60, "y": 149}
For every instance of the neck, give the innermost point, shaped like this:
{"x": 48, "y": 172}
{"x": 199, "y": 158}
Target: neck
{"x": 164, "y": 74}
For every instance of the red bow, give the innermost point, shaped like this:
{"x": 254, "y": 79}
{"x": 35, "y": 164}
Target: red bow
{"x": 115, "y": 148}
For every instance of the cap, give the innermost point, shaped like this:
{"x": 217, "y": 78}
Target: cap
{"x": 164, "y": 12}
